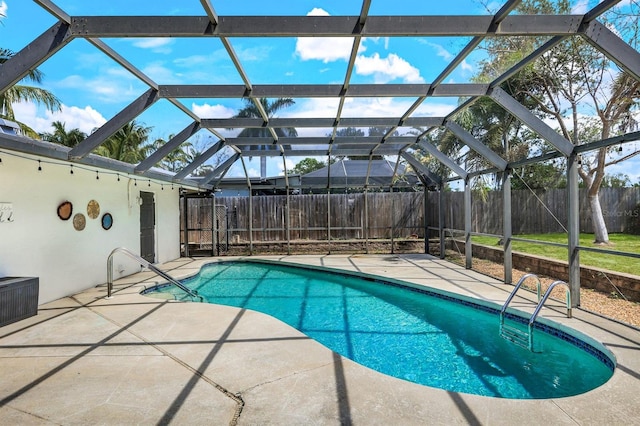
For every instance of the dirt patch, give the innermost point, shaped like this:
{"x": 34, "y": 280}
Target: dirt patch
{"x": 610, "y": 305}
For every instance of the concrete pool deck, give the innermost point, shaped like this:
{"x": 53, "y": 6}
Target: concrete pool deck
{"x": 133, "y": 359}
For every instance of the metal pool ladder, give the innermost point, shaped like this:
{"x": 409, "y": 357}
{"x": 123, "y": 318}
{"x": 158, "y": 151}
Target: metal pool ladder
{"x": 525, "y": 338}
{"x": 147, "y": 265}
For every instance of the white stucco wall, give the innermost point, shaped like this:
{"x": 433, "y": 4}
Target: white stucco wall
{"x": 38, "y": 243}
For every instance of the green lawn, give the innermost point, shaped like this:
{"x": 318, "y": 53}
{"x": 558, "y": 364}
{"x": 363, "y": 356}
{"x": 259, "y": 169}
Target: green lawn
{"x": 619, "y": 242}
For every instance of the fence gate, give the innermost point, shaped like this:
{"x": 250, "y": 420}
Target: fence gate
{"x": 197, "y": 225}
{"x": 221, "y": 227}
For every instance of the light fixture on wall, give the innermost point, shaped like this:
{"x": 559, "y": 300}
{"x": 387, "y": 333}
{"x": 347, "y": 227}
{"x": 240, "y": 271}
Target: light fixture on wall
{"x": 71, "y": 169}
{"x": 39, "y": 166}
{"x": 118, "y": 174}
{"x": 135, "y": 182}
{"x": 97, "y": 175}
{"x": 149, "y": 183}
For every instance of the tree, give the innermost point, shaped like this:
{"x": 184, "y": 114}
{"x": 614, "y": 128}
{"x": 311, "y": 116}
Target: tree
{"x": 565, "y": 82}
{"x": 176, "y": 159}
{"x": 21, "y": 93}
{"x": 129, "y": 144}
{"x": 250, "y": 110}
{"x": 306, "y": 165}
{"x": 60, "y": 135}
{"x": 539, "y": 177}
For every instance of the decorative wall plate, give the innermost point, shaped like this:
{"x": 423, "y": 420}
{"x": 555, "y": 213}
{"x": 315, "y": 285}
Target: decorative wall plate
{"x": 93, "y": 209}
{"x": 64, "y": 210}
{"x": 79, "y": 221}
{"x": 107, "y": 221}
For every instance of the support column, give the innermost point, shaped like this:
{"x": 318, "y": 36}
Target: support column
{"x": 185, "y": 209}
{"x": 393, "y": 218}
{"x": 441, "y": 220}
{"x": 288, "y": 224}
{"x": 425, "y": 219}
{"x": 366, "y": 221}
{"x": 573, "y": 227}
{"x": 329, "y": 220}
{"x": 250, "y": 221}
{"x": 506, "y": 226}
{"x": 467, "y": 223}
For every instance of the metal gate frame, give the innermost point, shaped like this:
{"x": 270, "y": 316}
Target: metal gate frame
{"x": 188, "y": 228}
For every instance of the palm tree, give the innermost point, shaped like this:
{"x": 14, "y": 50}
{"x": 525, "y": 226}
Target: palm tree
{"x": 20, "y": 93}
{"x": 176, "y": 159}
{"x": 251, "y": 111}
{"x": 128, "y": 144}
{"x": 60, "y": 135}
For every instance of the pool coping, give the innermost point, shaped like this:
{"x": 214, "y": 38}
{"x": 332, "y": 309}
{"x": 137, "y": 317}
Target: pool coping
{"x": 259, "y": 370}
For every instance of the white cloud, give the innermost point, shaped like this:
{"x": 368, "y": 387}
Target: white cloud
{"x": 466, "y": 66}
{"x": 3, "y": 9}
{"x": 212, "y": 111}
{"x": 155, "y": 44}
{"x": 289, "y": 163}
{"x": 86, "y": 119}
{"x": 257, "y": 53}
{"x": 580, "y": 8}
{"x": 113, "y": 85}
{"x": 387, "y": 69}
{"x": 440, "y": 50}
{"x": 325, "y": 49}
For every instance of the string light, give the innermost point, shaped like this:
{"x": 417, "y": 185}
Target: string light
{"x": 73, "y": 167}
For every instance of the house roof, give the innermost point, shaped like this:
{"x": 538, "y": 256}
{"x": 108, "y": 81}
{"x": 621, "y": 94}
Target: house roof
{"x": 360, "y": 173}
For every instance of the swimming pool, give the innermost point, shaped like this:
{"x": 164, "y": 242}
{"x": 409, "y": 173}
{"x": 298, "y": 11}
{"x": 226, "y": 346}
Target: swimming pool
{"x": 416, "y": 335}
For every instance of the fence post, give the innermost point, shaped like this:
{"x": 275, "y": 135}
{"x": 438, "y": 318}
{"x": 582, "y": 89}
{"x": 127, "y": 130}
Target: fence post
{"x": 288, "y": 225}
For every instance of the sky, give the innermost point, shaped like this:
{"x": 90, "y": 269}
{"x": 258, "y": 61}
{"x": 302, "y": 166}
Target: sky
{"x": 93, "y": 88}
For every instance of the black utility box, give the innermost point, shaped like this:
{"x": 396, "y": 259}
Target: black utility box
{"x": 18, "y": 299}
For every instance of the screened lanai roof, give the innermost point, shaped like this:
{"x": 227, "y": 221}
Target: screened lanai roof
{"x": 402, "y": 68}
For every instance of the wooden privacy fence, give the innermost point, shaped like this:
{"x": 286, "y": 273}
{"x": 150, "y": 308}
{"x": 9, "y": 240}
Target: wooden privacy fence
{"x": 311, "y": 217}
{"x": 541, "y": 212}
{"x": 401, "y": 214}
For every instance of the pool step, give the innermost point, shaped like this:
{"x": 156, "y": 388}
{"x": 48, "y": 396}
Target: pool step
{"x": 515, "y": 335}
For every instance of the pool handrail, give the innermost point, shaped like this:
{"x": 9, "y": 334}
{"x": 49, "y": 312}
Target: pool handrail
{"x": 541, "y": 303}
{"x": 515, "y": 290}
{"x": 147, "y": 265}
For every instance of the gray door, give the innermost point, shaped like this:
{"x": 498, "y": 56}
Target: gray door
{"x": 147, "y": 227}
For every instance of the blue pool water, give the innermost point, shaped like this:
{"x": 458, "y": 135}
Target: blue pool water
{"x": 423, "y": 338}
